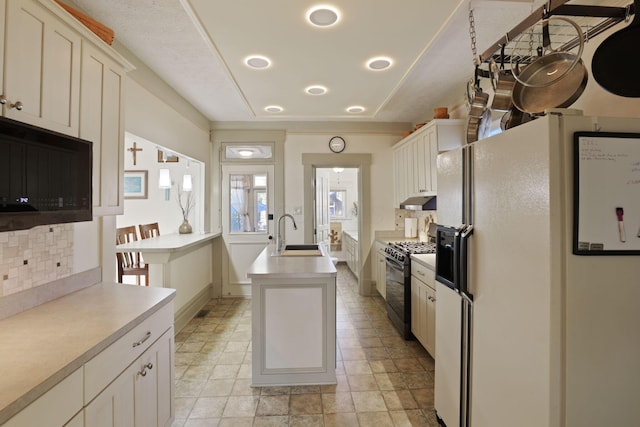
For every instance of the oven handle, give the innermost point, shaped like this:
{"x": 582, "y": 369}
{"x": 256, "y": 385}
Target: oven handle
{"x": 394, "y": 264}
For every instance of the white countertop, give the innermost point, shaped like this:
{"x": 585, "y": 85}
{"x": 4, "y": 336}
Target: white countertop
{"x": 43, "y": 345}
{"x": 267, "y": 266}
{"x": 428, "y": 260}
{"x": 166, "y": 243}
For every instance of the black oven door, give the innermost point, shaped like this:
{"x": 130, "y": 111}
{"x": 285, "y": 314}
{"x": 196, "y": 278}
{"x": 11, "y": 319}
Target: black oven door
{"x": 447, "y": 247}
{"x": 398, "y": 296}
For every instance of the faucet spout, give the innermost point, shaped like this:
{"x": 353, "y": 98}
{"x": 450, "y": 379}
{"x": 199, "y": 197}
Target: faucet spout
{"x": 279, "y": 241}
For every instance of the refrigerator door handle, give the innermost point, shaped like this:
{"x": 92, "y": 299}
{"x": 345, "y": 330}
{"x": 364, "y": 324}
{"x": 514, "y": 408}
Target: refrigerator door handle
{"x": 456, "y": 257}
{"x": 464, "y": 261}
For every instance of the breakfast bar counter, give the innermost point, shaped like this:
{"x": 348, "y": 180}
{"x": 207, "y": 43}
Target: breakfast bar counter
{"x": 293, "y": 319}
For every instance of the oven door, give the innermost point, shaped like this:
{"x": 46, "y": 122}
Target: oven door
{"x": 396, "y": 288}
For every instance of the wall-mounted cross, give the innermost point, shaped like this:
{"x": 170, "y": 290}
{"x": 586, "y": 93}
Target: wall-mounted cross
{"x": 134, "y": 150}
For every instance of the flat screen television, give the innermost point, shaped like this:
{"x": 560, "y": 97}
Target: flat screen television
{"x": 45, "y": 177}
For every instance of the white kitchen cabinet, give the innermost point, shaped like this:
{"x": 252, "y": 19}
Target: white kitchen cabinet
{"x": 101, "y": 121}
{"x": 352, "y": 252}
{"x": 423, "y": 306}
{"x": 56, "y": 407}
{"x": 380, "y": 269}
{"x": 142, "y": 395}
{"x": 414, "y": 157}
{"x": 41, "y": 68}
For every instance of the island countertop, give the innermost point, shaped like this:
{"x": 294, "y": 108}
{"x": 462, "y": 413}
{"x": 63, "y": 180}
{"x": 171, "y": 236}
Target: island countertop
{"x": 166, "y": 243}
{"x": 278, "y": 267}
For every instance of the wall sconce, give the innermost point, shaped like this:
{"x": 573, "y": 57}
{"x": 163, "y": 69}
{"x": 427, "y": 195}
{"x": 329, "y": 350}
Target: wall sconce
{"x": 164, "y": 179}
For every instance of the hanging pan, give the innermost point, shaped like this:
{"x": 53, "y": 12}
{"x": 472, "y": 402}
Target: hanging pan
{"x": 478, "y": 111}
{"x": 502, "y": 81}
{"x": 553, "y": 80}
{"x": 614, "y": 66}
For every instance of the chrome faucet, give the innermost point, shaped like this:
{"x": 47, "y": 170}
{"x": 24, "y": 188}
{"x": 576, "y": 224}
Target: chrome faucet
{"x": 279, "y": 241}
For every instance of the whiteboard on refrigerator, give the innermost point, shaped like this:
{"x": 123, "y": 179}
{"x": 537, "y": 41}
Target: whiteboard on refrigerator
{"x": 606, "y": 193}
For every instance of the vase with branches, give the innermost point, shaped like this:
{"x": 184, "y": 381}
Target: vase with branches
{"x": 186, "y": 205}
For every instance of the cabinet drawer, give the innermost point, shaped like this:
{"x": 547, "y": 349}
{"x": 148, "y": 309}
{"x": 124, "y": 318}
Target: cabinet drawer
{"x": 107, "y": 365}
{"x": 423, "y": 273}
{"x": 55, "y": 407}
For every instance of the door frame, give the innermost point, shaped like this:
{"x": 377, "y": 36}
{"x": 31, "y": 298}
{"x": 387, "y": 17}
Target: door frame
{"x": 362, "y": 162}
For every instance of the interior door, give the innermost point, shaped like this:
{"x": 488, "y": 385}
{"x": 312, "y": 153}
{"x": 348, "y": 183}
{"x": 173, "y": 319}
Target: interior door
{"x": 322, "y": 219}
{"x": 247, "y": 224}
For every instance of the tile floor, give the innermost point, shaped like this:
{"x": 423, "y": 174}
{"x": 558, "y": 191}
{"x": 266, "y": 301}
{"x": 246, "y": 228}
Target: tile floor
{"x": 383, "y": 380}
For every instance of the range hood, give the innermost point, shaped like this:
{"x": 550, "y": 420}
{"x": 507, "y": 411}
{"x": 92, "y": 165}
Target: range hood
{"x": 427, "y": 203}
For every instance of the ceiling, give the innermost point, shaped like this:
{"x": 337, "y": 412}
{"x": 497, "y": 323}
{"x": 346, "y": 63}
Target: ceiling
{"x": 199, "y": 47}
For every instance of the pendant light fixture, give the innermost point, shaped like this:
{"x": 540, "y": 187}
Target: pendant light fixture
{"x": 187, "y": 184}
{"x": 164, "y": 178}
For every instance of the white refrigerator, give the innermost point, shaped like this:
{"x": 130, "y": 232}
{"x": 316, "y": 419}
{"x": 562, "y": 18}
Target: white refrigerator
{"x": 552, "y": 337}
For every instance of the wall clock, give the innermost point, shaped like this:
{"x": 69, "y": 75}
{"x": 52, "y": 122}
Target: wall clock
{"x": 337, "y": 144}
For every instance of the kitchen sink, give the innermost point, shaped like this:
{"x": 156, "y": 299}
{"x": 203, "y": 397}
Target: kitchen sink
{"x": 300, "y": 250}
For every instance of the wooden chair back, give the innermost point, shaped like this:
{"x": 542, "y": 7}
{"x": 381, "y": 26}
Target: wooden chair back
{"x": 149, "y": 230}
{"x": 130, "y": 263}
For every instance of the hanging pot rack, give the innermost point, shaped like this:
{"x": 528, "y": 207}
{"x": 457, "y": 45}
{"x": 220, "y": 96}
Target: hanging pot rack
{"x": 607, "y": 16}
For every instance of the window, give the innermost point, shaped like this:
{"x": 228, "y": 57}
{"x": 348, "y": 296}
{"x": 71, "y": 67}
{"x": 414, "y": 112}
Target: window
{"x": 249, "y": 203}
{"x": 337, "y": 203}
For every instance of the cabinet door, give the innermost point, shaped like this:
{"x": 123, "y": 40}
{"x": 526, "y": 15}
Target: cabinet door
{"x": 114, "y": 406}
{"x": 431, "y": 166}
{"x": 381, "y": 267}
{"x": 42, "y": 68}
{"x": 430, "y": 333}
{"x": 101, "y": 122}
{"x": 153, "y": 384}
{"x": 419, "y": 310}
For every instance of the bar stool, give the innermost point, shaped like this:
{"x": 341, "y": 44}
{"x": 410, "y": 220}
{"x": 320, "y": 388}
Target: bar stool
{"x": 149, "y": 230}
{"x": 130, "y": 263}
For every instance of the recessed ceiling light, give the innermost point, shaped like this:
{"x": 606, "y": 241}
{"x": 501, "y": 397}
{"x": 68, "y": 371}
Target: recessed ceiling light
{"x": 379, "y": 63}
{"x": 316, "y": 90}
{"x": 257, "y": 61}
{"x": 355, "y": 109}
{"x": 323, "y": 15}
{"x": 273, "y": 109}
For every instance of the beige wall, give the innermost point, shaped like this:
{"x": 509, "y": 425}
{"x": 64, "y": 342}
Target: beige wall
{"x": 377, "y": 144}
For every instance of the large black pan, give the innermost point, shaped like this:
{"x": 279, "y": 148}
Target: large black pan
{"x": 614, "y": 66}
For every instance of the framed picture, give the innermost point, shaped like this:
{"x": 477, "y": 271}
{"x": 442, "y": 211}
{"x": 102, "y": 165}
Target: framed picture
{"x": 169, "y": 159}
{"x": 135, "y": 184}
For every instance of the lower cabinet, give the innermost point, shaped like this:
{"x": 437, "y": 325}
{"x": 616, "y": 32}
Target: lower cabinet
{"x": 353, "y": 253}
{"x": 142, "y": 394}
{"x": 423, "y": 306}
{"x": 381, "y": 270}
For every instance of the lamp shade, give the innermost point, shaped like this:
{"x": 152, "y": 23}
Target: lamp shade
{"x": 164, "y": 179}
{"x": 187, "y": 185}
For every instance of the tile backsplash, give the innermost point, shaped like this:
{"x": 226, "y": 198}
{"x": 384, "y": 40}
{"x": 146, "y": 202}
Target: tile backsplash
{"x": 34, "y": 257}
{"x": 424, "y": 218}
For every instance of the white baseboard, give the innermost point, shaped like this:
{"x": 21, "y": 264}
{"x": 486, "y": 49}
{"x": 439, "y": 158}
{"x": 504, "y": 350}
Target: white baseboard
{"x": 190, "y": 309}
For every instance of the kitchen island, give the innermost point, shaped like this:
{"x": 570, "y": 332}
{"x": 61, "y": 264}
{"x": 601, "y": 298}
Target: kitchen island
{"x": 293, "y": 319}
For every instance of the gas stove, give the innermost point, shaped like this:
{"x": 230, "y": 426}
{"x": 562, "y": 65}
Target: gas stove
{"x": 401, "y": 251}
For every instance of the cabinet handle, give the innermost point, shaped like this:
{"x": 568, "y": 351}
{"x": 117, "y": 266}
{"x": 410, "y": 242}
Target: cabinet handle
{"x": 17, "y": 106}
{"x": 420, "y": 273}
{"x": 146, "y": 337}
{"x": 143, "y": 373}
{"x": 149, "y": 365}
{"x": 3, "y": 99}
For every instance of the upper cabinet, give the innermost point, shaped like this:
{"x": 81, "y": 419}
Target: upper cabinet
{"x": 42, "y": 68}
{"x": 414, "y": 157}
{"x": 101, "y": 121}
{"x": 60, "y": 76}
